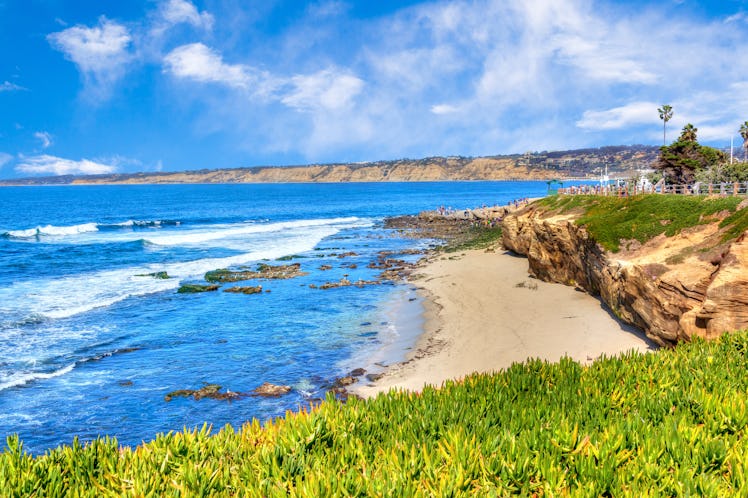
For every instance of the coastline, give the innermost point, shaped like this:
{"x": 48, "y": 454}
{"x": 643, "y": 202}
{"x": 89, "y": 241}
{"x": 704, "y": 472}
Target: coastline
{"x": 483, "y": 312}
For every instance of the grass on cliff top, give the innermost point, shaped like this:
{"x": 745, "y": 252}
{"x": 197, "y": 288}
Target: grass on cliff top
{"x": 643, "y": 217}
{"x": 670, "y": 423}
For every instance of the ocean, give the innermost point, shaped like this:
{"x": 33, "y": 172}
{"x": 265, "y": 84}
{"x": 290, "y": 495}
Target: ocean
{"x": 90, "y": 342}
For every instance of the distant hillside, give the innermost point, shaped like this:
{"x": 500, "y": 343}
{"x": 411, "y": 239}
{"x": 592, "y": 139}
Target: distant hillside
{"x": 620, "y": 160}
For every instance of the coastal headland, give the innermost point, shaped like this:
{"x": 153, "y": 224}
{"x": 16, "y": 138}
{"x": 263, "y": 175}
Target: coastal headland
{"x": 581, "y": 163}
{"x": 487, "y": 309}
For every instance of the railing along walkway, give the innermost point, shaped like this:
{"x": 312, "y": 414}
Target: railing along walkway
{"x": 721, "y": 189}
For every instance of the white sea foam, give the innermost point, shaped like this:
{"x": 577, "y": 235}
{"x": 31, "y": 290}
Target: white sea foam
{"x": 143, "y": 223}
{"x": 23, "y": 378}
{"x": 72, "y": 295}
{"x": 83, "y": 228}
{"x": 221, "y": 232}
{"x": 237, "y": 236}
{"x": 23, "y": 234}
{"x": 52, "y": 230}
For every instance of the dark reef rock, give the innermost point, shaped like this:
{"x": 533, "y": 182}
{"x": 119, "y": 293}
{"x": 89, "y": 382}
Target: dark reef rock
{"x": 263, "y": 271}
{"x": 245, "y": 290}
{"x": 159, "y": 275}
{"x": 271, "y": 390}
{"x": 344, "y": 282}
{"x": 208, "y": 391}
{"x": 195, "y": 288}
{"x": 345, "y": 381}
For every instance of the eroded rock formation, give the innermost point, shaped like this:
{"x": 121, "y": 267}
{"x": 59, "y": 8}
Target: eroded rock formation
{"x": 672, "y": 288}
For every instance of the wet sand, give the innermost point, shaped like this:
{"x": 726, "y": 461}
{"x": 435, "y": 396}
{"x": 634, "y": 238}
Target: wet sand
{"x": 483, "y": 312}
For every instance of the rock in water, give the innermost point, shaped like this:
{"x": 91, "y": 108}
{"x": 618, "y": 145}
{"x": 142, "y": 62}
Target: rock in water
{"x": 195, "y": 288}
{"x": 263, "y": 271}
{"x": 245, "y": 290}
{"x": 208, "y": 391}
{"x": 271, "y": 390}
{"x": 345, "y": 381}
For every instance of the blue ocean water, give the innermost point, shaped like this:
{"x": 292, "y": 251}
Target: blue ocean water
{"x": 90, "y": 343}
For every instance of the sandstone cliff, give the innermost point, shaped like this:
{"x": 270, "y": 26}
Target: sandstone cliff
{"x": 673, "y": 288}
{"x": 623, "y": 161}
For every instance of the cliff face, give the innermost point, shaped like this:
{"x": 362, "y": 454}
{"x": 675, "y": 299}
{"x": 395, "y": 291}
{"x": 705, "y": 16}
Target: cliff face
{"x": 622, "y": 160}
{"x": 701, "y": 295}
{"x": 439, "y": 169}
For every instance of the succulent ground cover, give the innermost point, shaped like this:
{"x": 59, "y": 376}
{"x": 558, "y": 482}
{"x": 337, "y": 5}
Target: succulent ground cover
{"x": 643, "y": 217}
{"x": 671, "y": 422}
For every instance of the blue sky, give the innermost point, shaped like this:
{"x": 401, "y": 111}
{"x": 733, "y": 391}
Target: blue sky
{"x": 90, "y": 86}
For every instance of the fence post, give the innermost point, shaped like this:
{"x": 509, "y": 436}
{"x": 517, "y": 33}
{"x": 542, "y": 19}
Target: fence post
{"x": 735, "y": 188}
{"x": 710, "y": 189}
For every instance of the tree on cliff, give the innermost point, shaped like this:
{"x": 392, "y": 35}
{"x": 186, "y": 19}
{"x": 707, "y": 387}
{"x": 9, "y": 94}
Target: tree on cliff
{"x": 666, "y": 112}
{"x": 680, "y": 161}
{"x": 688, "y": 134}
{"x": 744, "y": 134}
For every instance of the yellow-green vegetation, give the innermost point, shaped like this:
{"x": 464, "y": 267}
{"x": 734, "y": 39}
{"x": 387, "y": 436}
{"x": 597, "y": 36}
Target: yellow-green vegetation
{"x": 668, "y": 423}
{"x": 643, "y": 217}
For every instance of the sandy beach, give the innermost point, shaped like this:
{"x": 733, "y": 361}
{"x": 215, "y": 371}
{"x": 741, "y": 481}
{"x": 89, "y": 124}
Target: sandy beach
{"x": 483, "y": 312}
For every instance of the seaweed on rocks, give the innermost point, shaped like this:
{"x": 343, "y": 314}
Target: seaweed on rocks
{"x": 159, "y": 275}
{"x": 344, "y": 282}
{"x": 211, "y": 391}
{"x": 263, "y": 271}
{"x": 195, "y": 288}
{"x": 245, "y": 290}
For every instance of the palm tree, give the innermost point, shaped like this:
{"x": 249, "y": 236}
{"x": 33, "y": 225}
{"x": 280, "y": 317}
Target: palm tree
{"x": 744, "y": 134}
{"x": 666, "y": 112}
{"x": 688, "y": 134}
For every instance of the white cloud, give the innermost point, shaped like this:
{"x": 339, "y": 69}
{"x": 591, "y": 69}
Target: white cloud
{"x": 328, "y": 89}
{"x": 183, "y": 11}
{"x": 100, "y": 52}
{"x": 739, "y": 16}
{"x": 5, "y": 159}
{"x": 198, "y": 62}
{"x": 7, "y": 86}
{"x": 329, "y": 8}
{"x": 51, "y": 165}
{"x": 94, "y": 50}
{"x": 44, "y": 137}
{"x": 444, "y": 109}
{"x": 615, "y": 64}
{"x": 635, "y": 113}
{"x": 466, "y": 77}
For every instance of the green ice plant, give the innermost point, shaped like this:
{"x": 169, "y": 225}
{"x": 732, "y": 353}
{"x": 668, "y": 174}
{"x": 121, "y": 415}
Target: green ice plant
{"x": 671, "y": 422}
{"x": 643, "y": 217}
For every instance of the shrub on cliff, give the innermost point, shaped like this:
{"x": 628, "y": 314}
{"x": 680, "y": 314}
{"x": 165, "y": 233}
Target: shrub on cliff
{"x": 724, "y": 173}
{"x": 680, "y": 161}
{"x": 674, "y": 422}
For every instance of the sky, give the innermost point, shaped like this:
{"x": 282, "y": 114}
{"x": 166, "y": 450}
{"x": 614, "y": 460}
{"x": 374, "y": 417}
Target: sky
{"x": 109, "y": 86}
